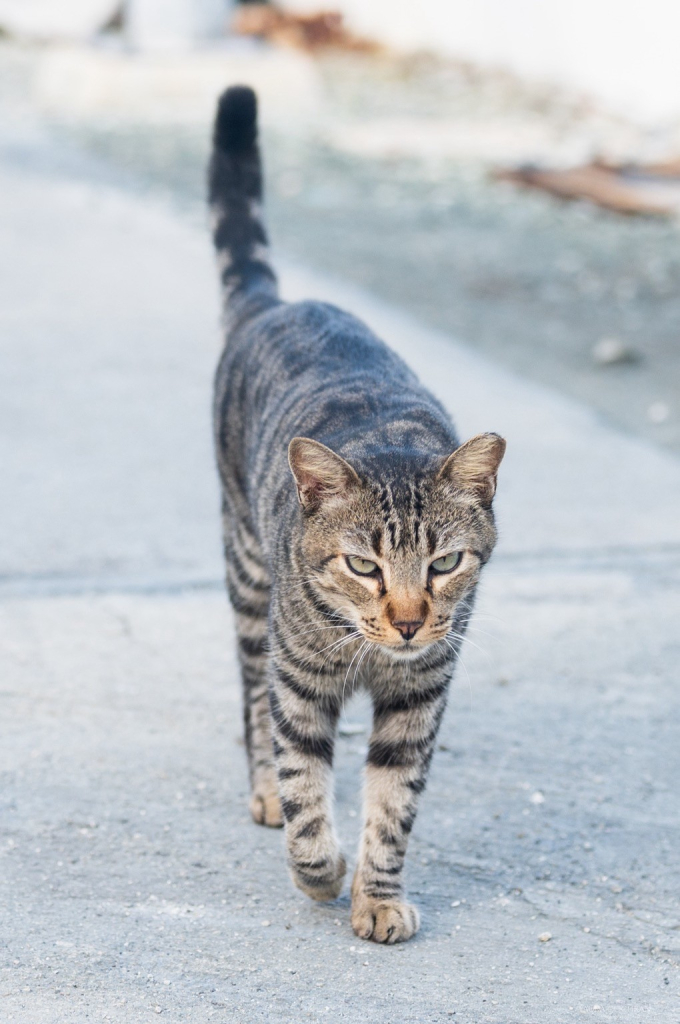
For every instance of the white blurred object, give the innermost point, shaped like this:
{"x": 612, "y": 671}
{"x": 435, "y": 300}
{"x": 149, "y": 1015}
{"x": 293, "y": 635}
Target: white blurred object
{"x": 172, "y": 24}
{"x": 62, "y": 19}
{"x": 177, "y": 85}
{"x": 610, "y": 351}
{"x": 658, "y": 412}
{"x": 623, "y": 52}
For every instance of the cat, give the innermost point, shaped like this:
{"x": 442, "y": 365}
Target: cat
{"x": 355, "y": 530}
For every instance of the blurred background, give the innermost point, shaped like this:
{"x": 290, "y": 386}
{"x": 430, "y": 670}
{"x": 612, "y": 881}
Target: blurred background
{"x": 494, "y": 186}
{"x": 422, "y": 150}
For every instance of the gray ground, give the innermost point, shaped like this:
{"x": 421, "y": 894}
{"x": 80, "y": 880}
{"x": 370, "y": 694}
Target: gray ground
{"x": 132, "y": 882}
{"x": 528, "y": 280}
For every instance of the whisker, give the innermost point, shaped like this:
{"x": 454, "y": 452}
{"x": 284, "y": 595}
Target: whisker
{"x": 465, "y": 640}
{"x": 492, "y": 636}
{"x": 344, "y": 684}
{"x": 334, "y": 648}
{"x": 341, "y": 642}
{"x": 459, "y": 659}
{"x": 367, "y": 650}
{"x": 481, "y": 616}
{"x": 315, "y": 629}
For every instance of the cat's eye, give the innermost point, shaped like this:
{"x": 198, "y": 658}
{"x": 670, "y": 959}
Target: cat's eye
{"x": 362, "y": 566}
{"x": 447, "y": 563}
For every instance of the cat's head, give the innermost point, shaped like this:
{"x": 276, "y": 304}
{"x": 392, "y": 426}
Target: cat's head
{"x": 397, "y": 552}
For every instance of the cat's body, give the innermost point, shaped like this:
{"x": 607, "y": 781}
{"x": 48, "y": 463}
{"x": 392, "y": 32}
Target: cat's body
{"x": 334, "y": 581}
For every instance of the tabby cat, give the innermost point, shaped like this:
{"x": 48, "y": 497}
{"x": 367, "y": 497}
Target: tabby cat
{"x": 355, "y": 530}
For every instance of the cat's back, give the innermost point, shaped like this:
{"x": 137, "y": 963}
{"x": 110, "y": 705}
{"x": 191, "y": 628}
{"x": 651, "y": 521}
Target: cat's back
{"x": 310, "y": 369}
{"x": 299, "y": 356}
{"x": 292, "y": 343}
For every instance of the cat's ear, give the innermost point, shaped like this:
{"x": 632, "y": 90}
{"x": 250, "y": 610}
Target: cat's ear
{"x": 318, "y": 471}
{"x": 473, "y": 466}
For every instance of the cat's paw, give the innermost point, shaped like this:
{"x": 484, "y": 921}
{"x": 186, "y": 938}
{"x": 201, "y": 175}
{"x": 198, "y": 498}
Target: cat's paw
{"x": 383, "y": 921}
{"x": 318, "y": 881}
{"x": 265, "y": 807}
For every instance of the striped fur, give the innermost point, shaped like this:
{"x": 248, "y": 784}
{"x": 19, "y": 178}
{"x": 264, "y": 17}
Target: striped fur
{"x": 344, "y": 487}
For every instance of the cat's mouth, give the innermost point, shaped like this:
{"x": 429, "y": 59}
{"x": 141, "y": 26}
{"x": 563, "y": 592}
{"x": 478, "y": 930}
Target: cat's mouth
{"x": 404, "y": 650}
{"x": 434, "y": 637}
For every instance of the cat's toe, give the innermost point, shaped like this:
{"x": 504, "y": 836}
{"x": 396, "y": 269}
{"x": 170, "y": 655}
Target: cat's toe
{"x": 321, "y": 880}
{"x": 387, "y": 922}
{"x": 266, "y": 809}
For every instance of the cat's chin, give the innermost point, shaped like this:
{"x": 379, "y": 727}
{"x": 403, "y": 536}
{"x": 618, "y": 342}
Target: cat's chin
{"x": 407, "y": 652}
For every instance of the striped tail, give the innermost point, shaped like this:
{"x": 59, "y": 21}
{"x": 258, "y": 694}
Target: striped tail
{"x": 235, "y": 196}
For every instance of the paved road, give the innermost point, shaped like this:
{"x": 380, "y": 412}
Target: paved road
{"x": 132, "y": 882}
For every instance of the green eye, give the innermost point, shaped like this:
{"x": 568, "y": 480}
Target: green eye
{"x": 362, "y": 566}
{"x": 447, "y": 563}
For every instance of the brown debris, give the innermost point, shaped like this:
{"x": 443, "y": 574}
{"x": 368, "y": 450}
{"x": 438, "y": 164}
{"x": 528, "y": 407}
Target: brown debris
{"x": 322, "y": 30}
{"x": 627, "y": 188}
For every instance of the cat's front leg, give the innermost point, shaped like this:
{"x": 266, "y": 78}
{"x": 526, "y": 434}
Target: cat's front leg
{"x": 405, "y": 727}
{"x": 303, "y": 721}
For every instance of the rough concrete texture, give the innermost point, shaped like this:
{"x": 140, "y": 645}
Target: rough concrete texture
{"x": 132, "y": 881}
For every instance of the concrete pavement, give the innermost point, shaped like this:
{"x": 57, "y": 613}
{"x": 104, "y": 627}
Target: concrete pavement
{"x": 132, "y": 882}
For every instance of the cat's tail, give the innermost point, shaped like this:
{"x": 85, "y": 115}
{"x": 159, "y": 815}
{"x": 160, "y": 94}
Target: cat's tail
{"x": 235, "y": 196}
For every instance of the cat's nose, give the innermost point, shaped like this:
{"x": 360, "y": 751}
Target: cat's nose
{"x": 408, "y": 629}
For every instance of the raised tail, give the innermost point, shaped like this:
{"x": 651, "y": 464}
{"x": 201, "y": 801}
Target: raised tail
{"x": 235, "y": 196}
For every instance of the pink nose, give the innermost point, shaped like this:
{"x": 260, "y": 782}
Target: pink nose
{"x": 408, "y": 629}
